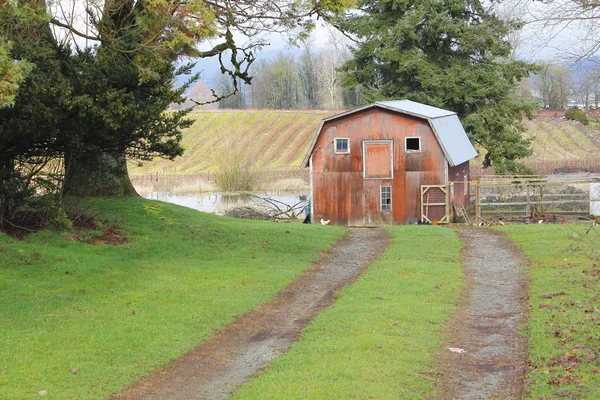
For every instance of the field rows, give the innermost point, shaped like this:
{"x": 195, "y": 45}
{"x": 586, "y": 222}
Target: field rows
{"x": 270, "y": 139}
{"x": 279, "y": 140}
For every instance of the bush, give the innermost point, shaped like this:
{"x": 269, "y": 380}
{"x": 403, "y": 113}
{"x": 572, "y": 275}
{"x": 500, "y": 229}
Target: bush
{"x": 235, "y": 172}
{"x": 575, "y": 114}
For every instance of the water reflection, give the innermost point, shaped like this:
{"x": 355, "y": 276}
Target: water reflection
{"x": 217, "y": 203}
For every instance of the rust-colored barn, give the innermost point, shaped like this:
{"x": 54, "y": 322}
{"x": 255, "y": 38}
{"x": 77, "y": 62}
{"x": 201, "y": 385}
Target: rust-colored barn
{"x": 387, "y": 163}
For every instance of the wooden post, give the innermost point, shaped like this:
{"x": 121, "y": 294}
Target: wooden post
{"x": 421, "y": 201}
{"x": 477, "y": 202}
{"x": 448, "y": 203}
{"x": 528, "y": 209}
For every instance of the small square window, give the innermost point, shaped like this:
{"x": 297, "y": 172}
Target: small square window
{"x": 342, "y": 145}
{"x": 413, "y": 144}
{"x": 386, "y": 198}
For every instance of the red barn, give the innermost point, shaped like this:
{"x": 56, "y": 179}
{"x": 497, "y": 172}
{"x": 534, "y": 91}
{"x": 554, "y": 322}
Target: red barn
{"x": 387, "y": 163}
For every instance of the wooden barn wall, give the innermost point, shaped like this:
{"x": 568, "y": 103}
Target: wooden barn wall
{"x": 340, "y": 192}
{"x": 460, "y": 189}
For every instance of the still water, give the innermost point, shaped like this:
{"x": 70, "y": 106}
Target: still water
{"x": 217, "y": 203}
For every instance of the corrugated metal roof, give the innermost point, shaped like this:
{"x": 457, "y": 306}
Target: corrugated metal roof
{"x": 418, "y": 109}
{"x": 453, "y": 138}
{"x": 445, "y": 124}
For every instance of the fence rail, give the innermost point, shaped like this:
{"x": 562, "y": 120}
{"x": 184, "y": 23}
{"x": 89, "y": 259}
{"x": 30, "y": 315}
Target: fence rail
{"x": 532, "y": 197}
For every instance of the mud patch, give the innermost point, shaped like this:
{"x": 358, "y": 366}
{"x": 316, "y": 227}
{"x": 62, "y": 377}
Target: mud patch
{"x": 232, "y": 356}
{"x": 85, "y": 228}
{"x": 492, "y": 311}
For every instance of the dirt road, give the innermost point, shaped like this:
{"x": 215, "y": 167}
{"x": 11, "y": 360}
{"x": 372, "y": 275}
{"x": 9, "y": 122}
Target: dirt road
{"x": 215, "y": 368}
{"x": 486, "y": 327}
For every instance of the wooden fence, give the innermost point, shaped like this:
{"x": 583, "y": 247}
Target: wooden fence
{"x": 531, "y": 198}
{"x": 548, "y": 167}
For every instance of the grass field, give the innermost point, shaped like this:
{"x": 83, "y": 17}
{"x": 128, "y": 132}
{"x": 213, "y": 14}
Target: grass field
{"x": 564, "y": 325}
{"x": 81, "y": 321}
{"x": 376, "y": 341}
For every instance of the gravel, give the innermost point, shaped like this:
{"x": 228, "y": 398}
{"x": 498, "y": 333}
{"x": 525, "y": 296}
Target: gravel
{"x": 487, "y": 325}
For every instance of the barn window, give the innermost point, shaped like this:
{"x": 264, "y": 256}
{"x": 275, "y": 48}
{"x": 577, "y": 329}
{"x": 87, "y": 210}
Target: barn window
{"x": 412, "y": 144}
{"x": 342, "y": 145}
{"x": 386, "y": 198}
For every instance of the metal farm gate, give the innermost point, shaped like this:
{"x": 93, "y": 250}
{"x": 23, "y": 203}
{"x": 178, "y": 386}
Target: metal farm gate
{"x": 435, "y": 204}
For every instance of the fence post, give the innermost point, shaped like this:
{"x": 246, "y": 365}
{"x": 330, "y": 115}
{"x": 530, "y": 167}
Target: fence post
{"x": 528, "y": 209}
{"x": 477, "y": 202}
{"x": 448, "y": 202}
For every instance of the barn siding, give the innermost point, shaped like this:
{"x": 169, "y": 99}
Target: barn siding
{"x": 340, "y": 192}
{"x": 457, "y": 175}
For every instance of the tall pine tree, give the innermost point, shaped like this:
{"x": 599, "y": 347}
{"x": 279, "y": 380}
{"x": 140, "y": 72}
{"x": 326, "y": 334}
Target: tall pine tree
{"x": 452, "y": 54}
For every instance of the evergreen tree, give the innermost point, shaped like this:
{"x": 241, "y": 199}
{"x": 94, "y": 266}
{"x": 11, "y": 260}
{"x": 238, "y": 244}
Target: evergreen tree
{"x": 12, "y": 72}
{"x": 452, "y": 54}
{"x": 31, "y": 126}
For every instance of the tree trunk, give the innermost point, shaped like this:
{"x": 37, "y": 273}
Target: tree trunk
{"x": 6, "y": 175}
{"x": 97, "y": 175}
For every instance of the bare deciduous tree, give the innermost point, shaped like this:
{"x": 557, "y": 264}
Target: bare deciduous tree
{"x": 569, "y": 28}
{"x": 587, "y": 86}
{"x": 331, "y": 94}
{"x": 553, "y": 83}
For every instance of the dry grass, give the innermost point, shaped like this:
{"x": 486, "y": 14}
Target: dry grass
{"x": 175, "y": 183}
{"x": 285, "y": 185}
{"x": 235, "y": 170}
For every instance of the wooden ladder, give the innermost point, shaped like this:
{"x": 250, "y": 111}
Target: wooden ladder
{"x": 463, "y": 214}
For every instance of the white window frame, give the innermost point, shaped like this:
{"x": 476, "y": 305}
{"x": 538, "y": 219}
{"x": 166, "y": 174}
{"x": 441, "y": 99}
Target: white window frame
{"x": 406, "y": 149}
{"x": 381, "y": 203}
{"x": 335, "y": 142}
{"x": 364, "y": 156}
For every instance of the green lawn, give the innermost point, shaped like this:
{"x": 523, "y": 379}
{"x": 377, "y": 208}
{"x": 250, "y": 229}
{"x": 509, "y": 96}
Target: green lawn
{"x": 377, "y": 339}
{"x": 81, "y": 321}
{"x": 564, "y": 324}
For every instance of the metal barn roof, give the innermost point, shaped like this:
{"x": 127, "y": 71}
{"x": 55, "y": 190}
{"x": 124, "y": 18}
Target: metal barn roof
{"x": 412, "y": 107}
{"x": 445, "y": 125}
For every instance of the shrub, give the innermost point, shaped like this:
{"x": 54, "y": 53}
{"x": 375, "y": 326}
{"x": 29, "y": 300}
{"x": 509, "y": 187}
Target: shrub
{"x": 575, "y": 114}
{"x": 235, "y": 172}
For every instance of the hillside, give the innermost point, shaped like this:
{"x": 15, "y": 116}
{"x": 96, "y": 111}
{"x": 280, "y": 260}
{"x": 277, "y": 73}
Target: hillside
{"x": 278, "y": 140}
{"x": 561, "y": 139}
{"x": 274, "y": 139}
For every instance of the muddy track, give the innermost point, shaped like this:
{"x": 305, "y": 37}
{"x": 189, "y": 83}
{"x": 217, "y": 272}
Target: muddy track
{"x": 493, "y": 310}
{"x": 216, "y": 368}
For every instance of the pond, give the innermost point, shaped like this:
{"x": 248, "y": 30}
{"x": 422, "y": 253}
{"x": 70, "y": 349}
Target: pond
{"x": 218, "y": 203}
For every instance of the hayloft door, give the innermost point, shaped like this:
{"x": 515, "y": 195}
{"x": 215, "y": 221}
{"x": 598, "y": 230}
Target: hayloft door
{"x": 378, "y": 159}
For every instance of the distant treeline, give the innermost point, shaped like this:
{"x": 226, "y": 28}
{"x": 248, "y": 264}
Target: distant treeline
{"x": 308, "y": 79}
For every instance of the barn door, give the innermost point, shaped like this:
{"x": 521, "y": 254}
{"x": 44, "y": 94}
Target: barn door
{"x": 378, "y": 159}
{"x": 435, "y": 203}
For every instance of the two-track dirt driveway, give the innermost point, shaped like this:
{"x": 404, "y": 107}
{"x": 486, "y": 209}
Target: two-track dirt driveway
{"x": 215, "y": 368}
{"x": 486, "y": 326}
